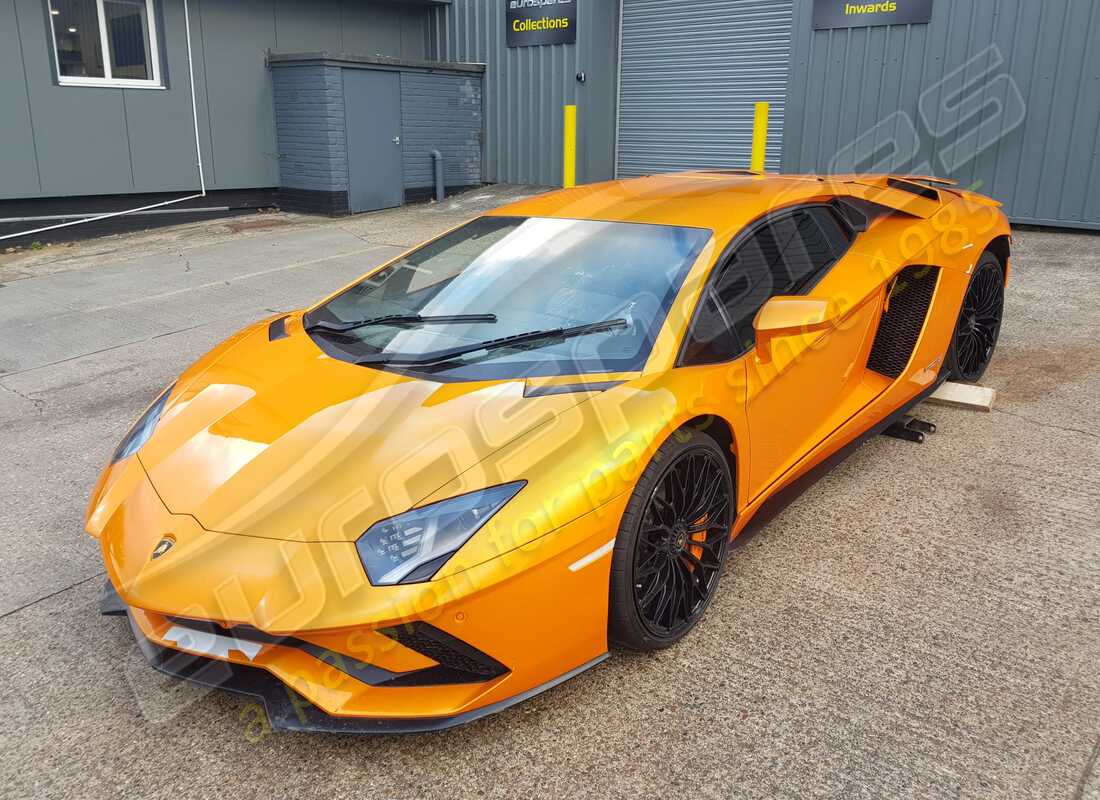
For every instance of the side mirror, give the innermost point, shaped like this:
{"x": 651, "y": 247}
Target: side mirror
{"x": 785, "y": 315}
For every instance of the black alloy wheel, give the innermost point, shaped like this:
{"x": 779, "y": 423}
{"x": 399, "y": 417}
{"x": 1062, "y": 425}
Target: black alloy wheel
{"x": 979, "y": 321}
{"x": 672, "y": 543}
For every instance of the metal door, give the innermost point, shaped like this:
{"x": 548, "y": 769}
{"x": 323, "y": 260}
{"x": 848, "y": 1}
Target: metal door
{"x": 372, "y": 108}
{"x": 690, "y": 74}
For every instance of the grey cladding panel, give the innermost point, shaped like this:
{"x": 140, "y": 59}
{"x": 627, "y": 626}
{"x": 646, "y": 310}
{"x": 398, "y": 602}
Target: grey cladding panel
{"x": 381, "y": 29}
{"x": 414, "y": 32}
{"x": 236, "y": 36}
{"x": 18, "y": 165}
{"x": 70, "y": 125}
{"x": 371, "y": 30}
{"x": 300, "y": 27}
{"x": 1017, "y": 80}
{"x": 159, "y": 127}
{"x": 69, "y": 122}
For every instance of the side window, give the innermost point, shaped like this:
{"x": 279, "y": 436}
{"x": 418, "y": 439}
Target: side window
{"x": 781, "y": 256}
{"x": 813, "y": 239}
{"x": 709, "y": 340}
{"x": 723, "y": 326}
{"x": 834, "y": 228}
{"x": 749, "y": 280}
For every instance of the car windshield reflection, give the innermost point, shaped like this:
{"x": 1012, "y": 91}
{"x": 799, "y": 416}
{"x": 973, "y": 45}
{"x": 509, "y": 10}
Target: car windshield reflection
{"x": 517, "y": 275}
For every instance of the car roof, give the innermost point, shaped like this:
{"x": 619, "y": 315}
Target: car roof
{"x": 723, "y": 201}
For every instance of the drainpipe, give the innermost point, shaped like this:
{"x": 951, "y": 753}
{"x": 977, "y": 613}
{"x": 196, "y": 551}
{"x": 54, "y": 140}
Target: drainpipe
{"x": 437, "y": 164}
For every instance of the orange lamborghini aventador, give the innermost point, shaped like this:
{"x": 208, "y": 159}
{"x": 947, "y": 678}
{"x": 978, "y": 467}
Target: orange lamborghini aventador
{"x": 459, "y": 480}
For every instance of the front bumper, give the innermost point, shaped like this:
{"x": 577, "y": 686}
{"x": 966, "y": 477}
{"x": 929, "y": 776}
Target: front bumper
{"x": 288, "y": 710}
{"x": 282, "y": 621}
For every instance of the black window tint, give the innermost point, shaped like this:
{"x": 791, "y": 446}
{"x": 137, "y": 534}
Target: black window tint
{"x": 810, "y": 240}
{"x": 742, "y": 287}
{"x": 748, "y": 281}
{"x": 781, "y": 256}
{"x": 835, "y": 230}
{"x": 803, "y": 250}
{"x": 709, "y": 340}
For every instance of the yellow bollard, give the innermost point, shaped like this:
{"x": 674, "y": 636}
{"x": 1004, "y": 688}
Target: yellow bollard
{"x": 569, "y": 147}
{"x": 759, "y": 137}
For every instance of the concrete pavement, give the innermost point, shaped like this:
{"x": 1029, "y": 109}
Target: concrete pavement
{"x": 922, "y": 622}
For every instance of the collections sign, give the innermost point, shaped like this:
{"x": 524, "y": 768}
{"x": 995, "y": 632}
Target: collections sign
{"x": 857, "y": 14}
{"x": 541, "y": 22}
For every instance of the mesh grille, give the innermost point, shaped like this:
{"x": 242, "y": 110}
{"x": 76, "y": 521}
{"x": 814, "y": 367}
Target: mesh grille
{"x": 901, "y": 324}
{"x": 452, "y": 655}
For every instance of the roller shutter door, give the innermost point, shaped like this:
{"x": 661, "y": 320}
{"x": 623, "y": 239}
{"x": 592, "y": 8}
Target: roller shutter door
{"x": 690, "y": 72}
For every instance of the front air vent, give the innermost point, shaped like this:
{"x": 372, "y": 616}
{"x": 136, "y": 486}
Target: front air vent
{"x": 277, "y": 329}
{"x": 457, "y": 662}
{"x": 901, "y": 323}
{"x": 569, "y": 388}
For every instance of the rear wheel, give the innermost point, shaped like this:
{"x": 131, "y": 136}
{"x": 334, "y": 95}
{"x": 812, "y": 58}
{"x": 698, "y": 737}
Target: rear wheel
{"x": 671, "y": 544}
{"x": 979, "y": 322}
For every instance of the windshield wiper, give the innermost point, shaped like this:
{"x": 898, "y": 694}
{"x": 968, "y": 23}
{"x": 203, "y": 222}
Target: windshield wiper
{"x": 400, "y": 319}
{"x": 519, "y": 340}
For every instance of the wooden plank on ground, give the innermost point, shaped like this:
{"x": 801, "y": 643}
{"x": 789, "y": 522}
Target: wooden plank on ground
{"x": 964, "y": 395}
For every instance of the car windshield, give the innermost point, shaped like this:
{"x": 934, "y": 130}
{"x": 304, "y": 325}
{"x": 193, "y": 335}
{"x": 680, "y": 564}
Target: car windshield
{"x": 517, "y": 275}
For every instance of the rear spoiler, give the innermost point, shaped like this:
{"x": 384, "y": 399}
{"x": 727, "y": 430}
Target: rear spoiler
{"x": 915, "y": 195}
{"x": 927, "y": 179}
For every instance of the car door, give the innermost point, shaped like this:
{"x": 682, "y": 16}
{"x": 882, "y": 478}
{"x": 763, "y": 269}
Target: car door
{"x": 789, "y": 400}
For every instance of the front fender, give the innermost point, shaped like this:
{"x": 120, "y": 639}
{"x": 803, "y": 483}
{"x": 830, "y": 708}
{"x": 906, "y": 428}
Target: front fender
{"x": 591, "y": 455}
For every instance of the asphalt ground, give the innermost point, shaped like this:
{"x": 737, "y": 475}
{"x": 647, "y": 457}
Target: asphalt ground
{"x": 924, "y": 621}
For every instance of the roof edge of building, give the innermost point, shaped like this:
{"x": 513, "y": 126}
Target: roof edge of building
{"x": 329, "y": 58}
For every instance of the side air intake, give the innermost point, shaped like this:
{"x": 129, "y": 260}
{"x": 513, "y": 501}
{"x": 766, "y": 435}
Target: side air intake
{"x": 901, "y": 323}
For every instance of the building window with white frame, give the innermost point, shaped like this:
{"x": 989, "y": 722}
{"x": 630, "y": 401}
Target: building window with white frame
{"x": 105, "y": 42}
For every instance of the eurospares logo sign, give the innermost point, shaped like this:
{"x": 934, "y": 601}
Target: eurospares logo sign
{"x": 532, "y": 22}
{"x": 855, "y": 14}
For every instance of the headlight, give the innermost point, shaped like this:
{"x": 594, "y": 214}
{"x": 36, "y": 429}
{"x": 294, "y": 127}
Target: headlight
{"x": 143, "y": 428}
{"x": 411, "y": 547}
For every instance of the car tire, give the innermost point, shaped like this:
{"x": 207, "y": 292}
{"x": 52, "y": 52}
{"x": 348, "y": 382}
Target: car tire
{"x": 979, "y": 322}
{"x": 671, "y": 544}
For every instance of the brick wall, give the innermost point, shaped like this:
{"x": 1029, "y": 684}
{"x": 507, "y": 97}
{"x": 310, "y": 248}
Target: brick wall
{"x": 441, "y": 112}
{"x": 309, "y": 121}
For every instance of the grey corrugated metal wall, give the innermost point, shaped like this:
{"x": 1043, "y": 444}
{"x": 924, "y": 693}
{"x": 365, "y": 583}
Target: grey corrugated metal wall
{"x": 1002, "y": 96}
{"x": 77, "y": 140}
{"x": 526, "y": 87}
{"x": 690, "y": 76}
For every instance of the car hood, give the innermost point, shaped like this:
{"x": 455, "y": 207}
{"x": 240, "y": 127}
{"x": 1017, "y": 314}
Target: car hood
{"x": 278, "y": 440}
